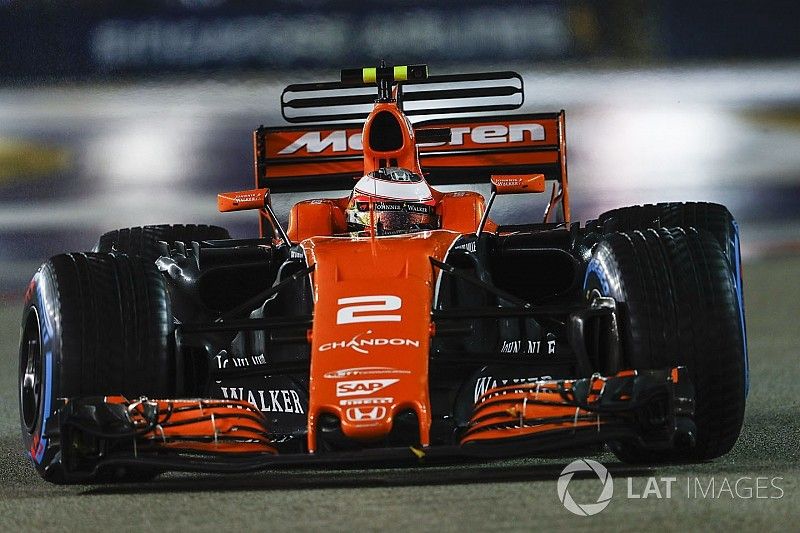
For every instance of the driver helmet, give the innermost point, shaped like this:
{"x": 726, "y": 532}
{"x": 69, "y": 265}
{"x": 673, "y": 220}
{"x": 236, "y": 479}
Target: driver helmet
{"x": 391, "y": 201}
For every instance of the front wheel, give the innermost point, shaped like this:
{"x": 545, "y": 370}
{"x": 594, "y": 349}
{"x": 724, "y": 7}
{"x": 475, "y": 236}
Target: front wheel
{"x": 702, "y": 216}
{"x": 93, "y": 324}
{"x": 678, "y": 306}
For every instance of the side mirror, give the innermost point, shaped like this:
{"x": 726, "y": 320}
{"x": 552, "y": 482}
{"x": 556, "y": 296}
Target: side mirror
{"x": 518, "y": 184}
{"x": 433, "y": 135}
{"x": 511, "y": 184}
{"x": 242, "y": 200}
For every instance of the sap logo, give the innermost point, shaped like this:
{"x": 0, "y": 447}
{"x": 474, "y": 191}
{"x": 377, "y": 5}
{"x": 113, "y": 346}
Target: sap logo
{"x": 313, "y": 142}
{"x": 362, "y": 387}
{"x": 358, "y": 414}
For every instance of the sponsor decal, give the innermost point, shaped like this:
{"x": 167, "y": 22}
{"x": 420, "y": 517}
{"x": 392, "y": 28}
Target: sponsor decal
{"x": 528, "y": 346}
{"x": 360, "y": 308}
{"x": 313, "y": 142}
{"x": 246, "y": 197}
{"x": 362, "y": 387}
{"x": 510, "y": 181}
{"x": 485, "y": 383}
{"x": 421, "y": 209}
{"x": 366, "y": 401}
{"x": 224, "y": 360}
{"x": 361, "y": 345}
{"x": 358, "y": 414}
{"x": 269, "y": 401}
{"x": 471, "y": 246}
{"x": 363, "y": 371}
{"x": 494, "y": 134}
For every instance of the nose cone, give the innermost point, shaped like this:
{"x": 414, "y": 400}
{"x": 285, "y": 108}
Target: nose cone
{"x": 371, "y": 331}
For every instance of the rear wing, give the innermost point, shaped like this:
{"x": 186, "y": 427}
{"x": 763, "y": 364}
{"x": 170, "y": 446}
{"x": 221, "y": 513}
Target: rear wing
{"x": 329, "y": 156}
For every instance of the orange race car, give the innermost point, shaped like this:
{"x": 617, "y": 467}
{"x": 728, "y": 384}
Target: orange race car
{"x": 398, "y": 320}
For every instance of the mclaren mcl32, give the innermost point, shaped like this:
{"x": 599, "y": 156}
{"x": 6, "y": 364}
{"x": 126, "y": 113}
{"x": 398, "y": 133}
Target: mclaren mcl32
{"x": 396, "y": 320}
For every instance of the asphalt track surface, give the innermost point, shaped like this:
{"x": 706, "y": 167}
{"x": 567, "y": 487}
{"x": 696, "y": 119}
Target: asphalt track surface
{"x": 509, "y": 495}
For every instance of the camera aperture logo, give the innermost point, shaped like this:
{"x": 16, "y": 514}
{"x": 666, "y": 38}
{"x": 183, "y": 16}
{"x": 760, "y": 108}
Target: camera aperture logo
{"x": 590, "y": 508}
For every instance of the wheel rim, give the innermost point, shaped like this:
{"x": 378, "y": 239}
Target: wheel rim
{"x": 30, "y": 382}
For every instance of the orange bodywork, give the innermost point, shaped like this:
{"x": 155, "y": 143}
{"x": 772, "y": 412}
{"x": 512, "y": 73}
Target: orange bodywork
{"x": 371, "y": 330}
{"x": 373, "y": 295}
{"x": 459, "y": 211}
{"x": 312, "y": 218}
{"x": 406, "y": 156}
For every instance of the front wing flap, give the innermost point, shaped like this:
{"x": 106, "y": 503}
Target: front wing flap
{"x": 651, "y": 407}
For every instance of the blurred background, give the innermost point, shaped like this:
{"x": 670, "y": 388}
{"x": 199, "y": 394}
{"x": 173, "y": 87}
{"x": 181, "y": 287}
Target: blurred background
{"x": 116, "y": 113}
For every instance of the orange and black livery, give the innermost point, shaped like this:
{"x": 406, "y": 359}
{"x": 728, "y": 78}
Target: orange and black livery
{"x": 400, "y": 317}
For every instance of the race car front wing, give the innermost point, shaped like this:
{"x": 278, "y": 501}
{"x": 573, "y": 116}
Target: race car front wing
{"x": 98, "y": 435}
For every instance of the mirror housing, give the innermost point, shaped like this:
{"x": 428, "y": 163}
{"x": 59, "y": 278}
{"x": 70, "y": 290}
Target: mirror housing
{"x": 243, "y": 200}
{"x": 433, "y": 135}
{"x": 517, "y": 183}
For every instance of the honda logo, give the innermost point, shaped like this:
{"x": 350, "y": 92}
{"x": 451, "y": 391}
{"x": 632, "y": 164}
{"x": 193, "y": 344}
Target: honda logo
{"x": 358, "y": 414}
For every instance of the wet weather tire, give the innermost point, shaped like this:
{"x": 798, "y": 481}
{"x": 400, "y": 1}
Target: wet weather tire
{"x": 93, "y": 324}
{"x": 678, "y": 306}
{"x": 143, "y": 241}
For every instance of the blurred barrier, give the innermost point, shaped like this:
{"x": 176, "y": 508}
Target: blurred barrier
{"x": 44, "y": 39}
{"x": 41, "y": 39}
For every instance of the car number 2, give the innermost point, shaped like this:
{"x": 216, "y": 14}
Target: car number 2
{"x": 364, "y": 309}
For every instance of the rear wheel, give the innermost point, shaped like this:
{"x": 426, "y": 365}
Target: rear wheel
{"x": 143, "y": 241}
{"x": 678, "y": 306}
{"x": 93, "y": 324}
